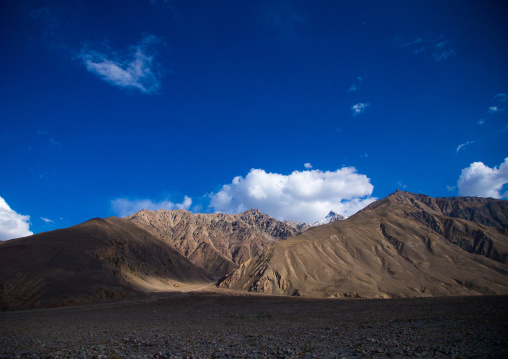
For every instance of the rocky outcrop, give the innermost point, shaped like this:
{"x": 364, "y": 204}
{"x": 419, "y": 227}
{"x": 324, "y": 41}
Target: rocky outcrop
{"x": 216, "y": 242}
{"x": 401, "y": 246}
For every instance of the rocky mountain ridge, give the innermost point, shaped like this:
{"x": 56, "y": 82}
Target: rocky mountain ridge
{"x": 405, "y": 245}
{"x": 216, "y": 242}
{"x": 302, "y": 226}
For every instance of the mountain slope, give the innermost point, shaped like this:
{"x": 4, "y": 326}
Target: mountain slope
{"x": 99, "y": 260}
{"x": 401, "y": 246}
{"x": 216, "y": 242}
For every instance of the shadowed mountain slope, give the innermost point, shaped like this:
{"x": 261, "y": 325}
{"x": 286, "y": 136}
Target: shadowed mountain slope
{"x": 216, "y": 242}
{"x": 99, "y": 260}
{"x": 401, "y": 246}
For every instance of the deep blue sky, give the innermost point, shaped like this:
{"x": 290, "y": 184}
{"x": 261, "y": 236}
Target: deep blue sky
{"x": 109, "y": 106}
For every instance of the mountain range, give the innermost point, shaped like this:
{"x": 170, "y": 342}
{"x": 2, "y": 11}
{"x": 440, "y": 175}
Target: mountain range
{"x": 405, "y": 245}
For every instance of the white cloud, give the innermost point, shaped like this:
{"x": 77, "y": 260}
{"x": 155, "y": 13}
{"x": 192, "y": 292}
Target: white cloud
{"x": 463, "y": 145}
{"x": 444, "y": 55}
{"x": 352, "y": 88}
{"x": 483, "y": 181}
{"x": 495, "y": 109}
{"x": 307, "y": 165}
{"x": 359, "y": 108}
{"x": 304, "y": 196}
{"x": 501, "y": 97}
{"x": 437, "y": 49}
{"x": 125, "y": 207}
{"x": 12, "y": 224}
{"x": 47, "y": 220}
{"x": 136, "y": 70}
{"x": 54, "y": 142}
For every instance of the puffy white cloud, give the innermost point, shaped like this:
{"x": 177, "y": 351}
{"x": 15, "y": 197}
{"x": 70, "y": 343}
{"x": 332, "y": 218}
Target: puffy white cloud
{"x": 303, "y": 196}
{"x": 124, "y": 207}
{"x": 483, "y": 181}
{"x": 137, "y": 70}
{"x": 307, "y": 165}
{"x": 359, "y": 108}
{"x": 12, "y": 224}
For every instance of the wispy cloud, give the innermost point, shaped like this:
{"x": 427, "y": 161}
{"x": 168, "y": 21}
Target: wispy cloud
{"x": 437, "y": 49}
{"x": 359, "y": 108}
{"x": 134, "y": 70}
{"x": 47, "y": 220}
{"x": 352, "y": 88}
{"x": 501, "y": 97}
{"x": 495, "y": 109}
{"x": 54, "y": 142}
{"x": 463, "y": 145}
{"x": 481, "y": 121}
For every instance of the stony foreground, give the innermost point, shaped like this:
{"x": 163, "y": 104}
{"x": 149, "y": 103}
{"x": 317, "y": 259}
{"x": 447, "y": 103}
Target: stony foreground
{"x": 208, "y": 325}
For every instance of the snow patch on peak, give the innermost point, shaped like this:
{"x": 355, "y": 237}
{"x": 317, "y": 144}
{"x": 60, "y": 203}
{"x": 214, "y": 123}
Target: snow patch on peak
{"x": 330, "y": 217}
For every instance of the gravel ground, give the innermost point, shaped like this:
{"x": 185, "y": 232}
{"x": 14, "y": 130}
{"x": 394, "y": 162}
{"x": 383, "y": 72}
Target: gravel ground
{"x": 213, "y": 325}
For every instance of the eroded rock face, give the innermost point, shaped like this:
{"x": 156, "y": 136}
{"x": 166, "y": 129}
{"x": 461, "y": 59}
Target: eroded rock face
{"x": 217, "y": 242}
{"x": 405, "y": 245}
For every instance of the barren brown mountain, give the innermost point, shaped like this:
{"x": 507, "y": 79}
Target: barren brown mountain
{"x": 99, "y": 260}
{"x": 405, "y": 245}
{"x": 216, "y": 242}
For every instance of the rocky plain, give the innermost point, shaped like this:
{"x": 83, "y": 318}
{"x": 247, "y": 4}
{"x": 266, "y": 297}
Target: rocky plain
{"x": 213, "y": 323}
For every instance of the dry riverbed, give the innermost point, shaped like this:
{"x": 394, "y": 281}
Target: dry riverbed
{"x": 215, "y": 325}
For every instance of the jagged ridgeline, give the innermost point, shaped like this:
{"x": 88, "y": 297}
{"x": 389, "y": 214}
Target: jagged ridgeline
{"x": 215, "y": 242}
{"x": 405, "y": 245}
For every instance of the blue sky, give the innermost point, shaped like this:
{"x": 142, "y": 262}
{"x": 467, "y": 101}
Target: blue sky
{"x": 292, "y": 107}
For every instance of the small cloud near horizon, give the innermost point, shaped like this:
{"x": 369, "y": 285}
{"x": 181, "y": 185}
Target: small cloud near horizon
{"x": 47, "y": 220}
{"x": 307, "y": 165}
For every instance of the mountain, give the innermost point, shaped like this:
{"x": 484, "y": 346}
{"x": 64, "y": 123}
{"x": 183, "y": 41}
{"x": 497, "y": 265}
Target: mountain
{"x": 302, "y": 227}
{"x": 99, "y": 260}
{"x": 216, "y": 242}
{"x": 330, "y": 217}
{"x": 405, "y": 245}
